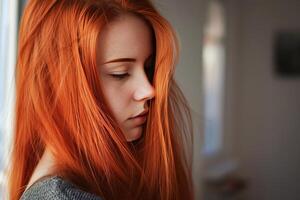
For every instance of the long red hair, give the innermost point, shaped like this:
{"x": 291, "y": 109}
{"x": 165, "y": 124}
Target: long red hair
{"x": 59, "y": 105}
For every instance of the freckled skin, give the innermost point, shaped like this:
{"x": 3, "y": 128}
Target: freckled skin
{"x": 127, "y": 37}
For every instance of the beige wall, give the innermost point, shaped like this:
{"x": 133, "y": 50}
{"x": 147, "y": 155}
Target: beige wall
{"x": 265, "y": 119}
{"x": 262, "y": 111}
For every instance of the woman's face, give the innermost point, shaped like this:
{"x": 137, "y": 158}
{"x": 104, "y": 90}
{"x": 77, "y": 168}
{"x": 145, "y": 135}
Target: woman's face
{"x": 125, "y": 54}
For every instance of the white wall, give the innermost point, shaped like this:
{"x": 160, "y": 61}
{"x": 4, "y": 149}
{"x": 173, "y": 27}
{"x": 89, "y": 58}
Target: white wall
{"x": 187, "y": 19}
{"x": 266, "y": 108}
{"x": 8, "y": 50}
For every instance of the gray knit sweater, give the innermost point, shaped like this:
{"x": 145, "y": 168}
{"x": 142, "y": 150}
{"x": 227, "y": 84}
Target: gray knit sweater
{"x": 57, "y": 189}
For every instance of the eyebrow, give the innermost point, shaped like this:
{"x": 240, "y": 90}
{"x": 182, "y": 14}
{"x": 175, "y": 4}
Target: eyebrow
{"x": 121, "y": 60}
{"x": 125, "y": 59}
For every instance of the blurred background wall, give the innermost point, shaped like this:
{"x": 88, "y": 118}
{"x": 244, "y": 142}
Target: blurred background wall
{"x": 260, "y": 122}
{"x": 265, "y": 105}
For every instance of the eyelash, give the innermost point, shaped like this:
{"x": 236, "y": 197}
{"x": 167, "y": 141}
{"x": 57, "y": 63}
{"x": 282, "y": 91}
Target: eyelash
{"x": 122, "y": 76}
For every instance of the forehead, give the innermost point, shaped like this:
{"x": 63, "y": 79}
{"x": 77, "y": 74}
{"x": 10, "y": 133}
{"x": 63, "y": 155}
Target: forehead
{"x": 128, "y": 36}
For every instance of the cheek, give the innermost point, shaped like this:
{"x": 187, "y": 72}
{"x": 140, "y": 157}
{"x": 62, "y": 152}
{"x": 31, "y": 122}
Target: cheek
{"x": 118, "y": 99}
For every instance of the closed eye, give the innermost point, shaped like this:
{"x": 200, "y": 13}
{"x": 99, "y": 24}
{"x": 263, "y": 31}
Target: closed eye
{"x": 120, "y": 76}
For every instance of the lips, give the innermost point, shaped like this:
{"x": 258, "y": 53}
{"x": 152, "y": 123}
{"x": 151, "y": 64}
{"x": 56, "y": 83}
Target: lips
{"x": 139, "y": 120}
{"x": 145, "y": 112}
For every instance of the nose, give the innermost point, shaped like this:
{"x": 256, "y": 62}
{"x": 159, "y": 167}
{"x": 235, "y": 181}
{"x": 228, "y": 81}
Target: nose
{"x": 144, "y": 89}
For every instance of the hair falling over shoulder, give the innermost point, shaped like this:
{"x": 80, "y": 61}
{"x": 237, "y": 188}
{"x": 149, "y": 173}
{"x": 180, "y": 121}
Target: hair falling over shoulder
{"x": 59, "y": 104}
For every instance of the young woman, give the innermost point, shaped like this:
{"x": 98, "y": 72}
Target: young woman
{"x": 98, "y": 113}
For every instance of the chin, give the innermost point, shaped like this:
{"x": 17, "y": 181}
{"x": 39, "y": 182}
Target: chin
{"x": 134, "y": 134}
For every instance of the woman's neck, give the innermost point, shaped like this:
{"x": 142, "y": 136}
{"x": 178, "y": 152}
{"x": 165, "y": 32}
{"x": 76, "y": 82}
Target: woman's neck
{"x": 43, "y": 168}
